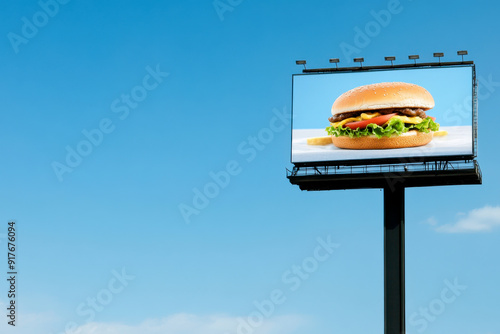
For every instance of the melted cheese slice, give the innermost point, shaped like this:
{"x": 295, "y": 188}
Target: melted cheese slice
{"x": 370, "y": 115}
{"x": 409, "y": 120}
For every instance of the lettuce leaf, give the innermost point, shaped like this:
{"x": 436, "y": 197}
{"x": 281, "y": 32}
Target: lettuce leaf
{"x": 392, "y": 127}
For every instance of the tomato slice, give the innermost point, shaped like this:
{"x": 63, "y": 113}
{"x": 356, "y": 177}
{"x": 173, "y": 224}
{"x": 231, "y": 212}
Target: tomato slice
{"x": 379, "y": 120}
{"x": 433, "y": 118}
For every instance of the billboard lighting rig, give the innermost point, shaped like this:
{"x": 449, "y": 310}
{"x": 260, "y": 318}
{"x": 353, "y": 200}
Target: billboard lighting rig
{"x": 414, "y": 57}
{"x": 301, "y": 62}
{"x": 391, "y": 59}
{"x": 462, "y": 53}
{"x": 359, "y": 60}
{"x": 336, "y": 61}
{"x": 438, "y": 55}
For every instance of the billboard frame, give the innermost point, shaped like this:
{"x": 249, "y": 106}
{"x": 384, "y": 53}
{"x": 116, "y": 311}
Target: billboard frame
{"x": 422, "y": 159}
{"x": 393, "y": 176}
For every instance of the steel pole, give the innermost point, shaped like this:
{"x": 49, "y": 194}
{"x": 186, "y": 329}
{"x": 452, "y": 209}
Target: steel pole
{"x": 394, "y": 260}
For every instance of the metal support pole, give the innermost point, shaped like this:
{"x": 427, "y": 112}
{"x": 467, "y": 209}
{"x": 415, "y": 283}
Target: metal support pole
{"x": 394, "y": 260}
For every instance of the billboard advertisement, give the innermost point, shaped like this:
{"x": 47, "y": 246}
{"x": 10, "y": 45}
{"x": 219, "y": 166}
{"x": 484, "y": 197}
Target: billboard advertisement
{"x": 375, "y": 115}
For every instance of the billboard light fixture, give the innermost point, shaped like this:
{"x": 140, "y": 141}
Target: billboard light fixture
{"x": 462, "y": 53}
{"x": 438, "y": 55}
{"x": 414, "y": 57}
{"x": 359, "y": 60}
{"x": 336, "y": 61}
{"x": 391, "y": 59}
{"x": 301, "y": 62}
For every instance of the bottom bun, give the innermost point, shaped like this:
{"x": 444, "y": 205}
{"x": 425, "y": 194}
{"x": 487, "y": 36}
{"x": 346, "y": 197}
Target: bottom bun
{"x": 408, "y": 139}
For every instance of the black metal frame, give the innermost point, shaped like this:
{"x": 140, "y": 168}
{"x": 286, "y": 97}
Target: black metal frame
{"x": 386, "y": 161}
{"x": 384, "y": 67}
{"x": 426, "y": 174}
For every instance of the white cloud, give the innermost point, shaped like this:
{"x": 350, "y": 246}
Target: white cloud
{"x": 478, "y": 220}
{"x": 193, "y": 324}
{"x": 432, "y": 221}
{"x": 27, "y": 323}
{"x": 48, "y": 322}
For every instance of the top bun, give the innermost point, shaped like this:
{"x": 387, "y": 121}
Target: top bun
{"x": 383, "y": 95}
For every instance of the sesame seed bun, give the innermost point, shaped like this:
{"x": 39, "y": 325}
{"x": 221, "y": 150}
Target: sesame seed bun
{"x": 383, "y": 96}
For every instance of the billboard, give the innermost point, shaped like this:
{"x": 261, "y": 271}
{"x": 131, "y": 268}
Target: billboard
{"x": 372, "y": 116}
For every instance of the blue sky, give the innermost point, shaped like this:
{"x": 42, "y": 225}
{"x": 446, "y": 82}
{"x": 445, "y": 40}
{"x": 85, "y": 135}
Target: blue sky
{"x": 117, "y": 115}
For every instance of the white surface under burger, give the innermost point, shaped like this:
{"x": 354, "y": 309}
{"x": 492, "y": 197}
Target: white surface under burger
{"x": 457, "y": 142}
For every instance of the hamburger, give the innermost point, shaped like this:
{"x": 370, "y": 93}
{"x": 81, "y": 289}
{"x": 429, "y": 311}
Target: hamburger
{"x": 382, "y": 116}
